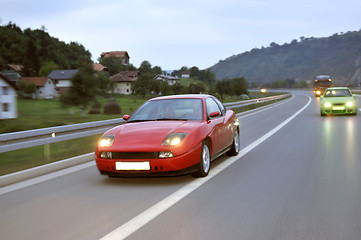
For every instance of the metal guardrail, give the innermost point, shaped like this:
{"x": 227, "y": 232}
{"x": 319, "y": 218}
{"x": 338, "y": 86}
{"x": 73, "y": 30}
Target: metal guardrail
{"x": 44, "y": 136}
{"x": 255, "y": 101}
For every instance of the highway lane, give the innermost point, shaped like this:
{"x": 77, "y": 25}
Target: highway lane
{"x": 303, "y": 182}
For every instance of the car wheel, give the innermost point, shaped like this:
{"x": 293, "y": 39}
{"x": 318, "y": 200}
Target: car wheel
{"x": 322, "y": 114}
{"x": 204, "y": 163}
{"x": 235, "y": 145}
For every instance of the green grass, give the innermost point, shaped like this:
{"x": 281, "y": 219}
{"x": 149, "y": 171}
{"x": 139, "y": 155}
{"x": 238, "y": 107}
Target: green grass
{"x": 34, "y": 114}
{"x": 35, "y": 156}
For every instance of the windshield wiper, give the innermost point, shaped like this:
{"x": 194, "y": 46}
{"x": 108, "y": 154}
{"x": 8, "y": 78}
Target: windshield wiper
{"x": 170, "y": 119}
{"x": 140, "y": 120}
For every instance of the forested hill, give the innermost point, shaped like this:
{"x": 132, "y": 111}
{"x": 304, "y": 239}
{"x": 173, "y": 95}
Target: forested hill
{"x": 36, "y": 50}
{"x": 338, "y": 56}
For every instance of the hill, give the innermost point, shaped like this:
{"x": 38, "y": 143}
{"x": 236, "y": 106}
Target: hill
{"x": 35, "y": 49}
{"x": 338, "y": 55}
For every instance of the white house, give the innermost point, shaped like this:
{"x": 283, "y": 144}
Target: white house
{"x": 7, "y": 98}
{"x": 169, "y": 79}
{"x": 124, "y": 80}
{"x": 185, "y": 75}
{"x": 45, "y": 88}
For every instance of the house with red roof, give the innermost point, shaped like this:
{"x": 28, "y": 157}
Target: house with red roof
{"x": 100, "y": 68}
{"x": 45, "y": 88}
{"x": 123, "y": 55}
{"x": 124, "y": 80}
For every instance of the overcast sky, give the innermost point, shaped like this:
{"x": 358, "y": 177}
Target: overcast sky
{"x": 172, "y": 34}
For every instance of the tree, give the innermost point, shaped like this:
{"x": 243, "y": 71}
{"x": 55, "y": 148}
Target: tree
{"x": 145, "y": 67}
{"x": 196, "y": 88}
{"x": 47, "y": 67}
{"x": 113, "y": 64}
{"x": 144, "y": 84}
{"x": 86, "y": 86}
{"x": 238, "y": 86}
{"x": 26, "y": 89}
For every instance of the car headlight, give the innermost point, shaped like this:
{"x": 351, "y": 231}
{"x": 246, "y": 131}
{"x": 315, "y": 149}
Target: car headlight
{"x": 349, "y": 104}
{"x": 174, "y": 139}
{"x": 236, "y": 122}
{"x": 327, "y": 104}
{"x": 318, "y": 92}
{"x": 106, "y": 140}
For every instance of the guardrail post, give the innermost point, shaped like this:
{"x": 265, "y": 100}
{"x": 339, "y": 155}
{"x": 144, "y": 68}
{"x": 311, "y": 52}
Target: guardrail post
{"x": 47, "y": 151}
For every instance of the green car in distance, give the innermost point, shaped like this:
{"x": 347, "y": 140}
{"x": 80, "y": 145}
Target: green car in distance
{"x": 338, "y": 100}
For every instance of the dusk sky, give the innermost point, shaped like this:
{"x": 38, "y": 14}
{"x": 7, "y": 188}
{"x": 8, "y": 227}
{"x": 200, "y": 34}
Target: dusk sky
{"x": 172, "y": 34}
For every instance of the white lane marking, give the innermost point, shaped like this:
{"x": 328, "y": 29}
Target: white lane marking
{"x": 45, "y": 177}
{"x": 143, "y": 218}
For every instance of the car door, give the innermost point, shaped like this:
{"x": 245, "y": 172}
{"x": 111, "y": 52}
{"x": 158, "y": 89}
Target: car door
{"x": 218, "y": 126}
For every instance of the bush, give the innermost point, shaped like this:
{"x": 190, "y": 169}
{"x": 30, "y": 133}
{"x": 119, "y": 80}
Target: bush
{"x": 244, "y": 97}
{"x": 95, "y": 108}
{"x": 112, "y": 107}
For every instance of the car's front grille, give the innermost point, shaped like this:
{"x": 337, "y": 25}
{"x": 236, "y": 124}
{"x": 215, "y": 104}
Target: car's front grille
{"x": 134, "y": 155}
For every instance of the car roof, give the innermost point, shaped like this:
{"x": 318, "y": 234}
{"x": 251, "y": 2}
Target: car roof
{"x": 338, "y": 88}
{"x": 196, "y": 96}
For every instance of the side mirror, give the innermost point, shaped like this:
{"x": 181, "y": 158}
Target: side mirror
{"x": 321, "y": 96}
{"x": 353, "y": 95}
{"x": 126, "y": 117}
{"x": 214, "y": 114}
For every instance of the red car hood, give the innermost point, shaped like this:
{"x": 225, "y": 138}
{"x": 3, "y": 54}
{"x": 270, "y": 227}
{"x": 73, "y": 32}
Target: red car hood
{"x": 147, "y": 136}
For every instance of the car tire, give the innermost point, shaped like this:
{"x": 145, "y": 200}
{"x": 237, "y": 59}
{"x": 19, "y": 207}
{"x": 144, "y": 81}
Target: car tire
{"x": 204, "y": 163}
{"x": 235, "y": 145}
{"x": 322, "y": 114}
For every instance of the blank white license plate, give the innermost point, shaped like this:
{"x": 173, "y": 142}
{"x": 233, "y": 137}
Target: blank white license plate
{"x": 132, "y": 166}
{"x": 338, "y": 108}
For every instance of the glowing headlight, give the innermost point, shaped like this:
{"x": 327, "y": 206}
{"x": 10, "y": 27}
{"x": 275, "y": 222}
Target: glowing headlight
{"x": 236, "y": 122}
{"x": 318, "y": 92}
{"x": 349, "y": 104}
{"x": 327, "y": 104}
{"x": 106, "y": 141}
{"x": 174, "y": 139}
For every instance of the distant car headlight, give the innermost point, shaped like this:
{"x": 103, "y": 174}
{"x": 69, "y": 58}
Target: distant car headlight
{"x": 318, "y": 92}
{"x": 327, "y": 104}
{"x": 349, "y": 104}
{"x": 174, "y": 139}
{"x": 106, "y": 140}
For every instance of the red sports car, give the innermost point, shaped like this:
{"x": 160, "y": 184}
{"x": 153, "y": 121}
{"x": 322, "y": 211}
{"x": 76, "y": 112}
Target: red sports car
{"x": 170, "y": 135}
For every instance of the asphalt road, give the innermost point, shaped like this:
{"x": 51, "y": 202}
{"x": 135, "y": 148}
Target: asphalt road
{"x": 298, "y": 177}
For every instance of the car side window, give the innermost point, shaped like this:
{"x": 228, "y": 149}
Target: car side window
{"x": 212, "y": 106}
{"x": 223, "y": 109}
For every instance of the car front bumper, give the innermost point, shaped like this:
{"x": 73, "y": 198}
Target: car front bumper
{"x": 179, "y": 165}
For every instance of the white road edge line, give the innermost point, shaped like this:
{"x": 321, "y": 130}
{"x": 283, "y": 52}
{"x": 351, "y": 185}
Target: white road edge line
{"x": 143, "y": 218}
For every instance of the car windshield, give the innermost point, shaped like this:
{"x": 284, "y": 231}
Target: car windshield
{"x": 337, "y": 93}
{"x": 169, "y": 109}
